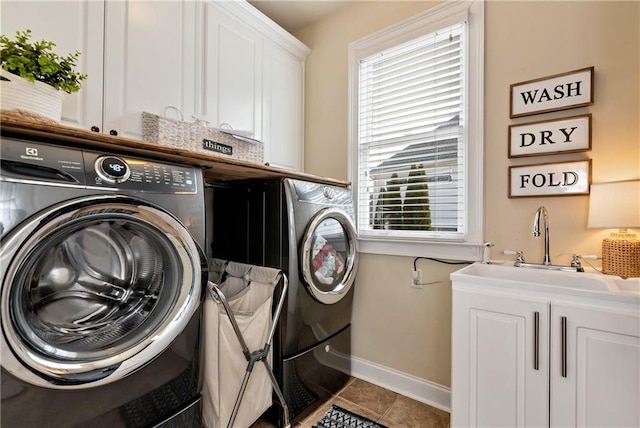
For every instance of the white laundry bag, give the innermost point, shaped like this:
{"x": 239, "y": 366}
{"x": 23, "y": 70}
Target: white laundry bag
{"x": 249, "y": 292}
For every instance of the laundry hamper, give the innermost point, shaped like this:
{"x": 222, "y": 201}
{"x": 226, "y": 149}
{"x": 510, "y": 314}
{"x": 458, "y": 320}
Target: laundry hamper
{"x": 239, "y": 328}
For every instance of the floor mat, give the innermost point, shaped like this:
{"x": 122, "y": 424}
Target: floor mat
{"x": 337, "y": 417}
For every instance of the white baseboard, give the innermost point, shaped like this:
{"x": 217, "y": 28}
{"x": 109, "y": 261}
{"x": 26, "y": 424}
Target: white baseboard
{"x": 408, "y": 385}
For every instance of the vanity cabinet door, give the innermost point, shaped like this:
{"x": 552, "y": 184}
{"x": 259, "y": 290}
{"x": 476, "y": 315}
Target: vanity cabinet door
{"x": 595, "y": 367}
{"x": 500, "y": 368}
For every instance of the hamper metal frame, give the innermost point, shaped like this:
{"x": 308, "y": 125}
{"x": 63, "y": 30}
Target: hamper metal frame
{"x": 260, "y": 355}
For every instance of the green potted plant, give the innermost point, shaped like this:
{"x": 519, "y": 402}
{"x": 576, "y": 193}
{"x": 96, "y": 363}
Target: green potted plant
{"x": 34, "y": 78}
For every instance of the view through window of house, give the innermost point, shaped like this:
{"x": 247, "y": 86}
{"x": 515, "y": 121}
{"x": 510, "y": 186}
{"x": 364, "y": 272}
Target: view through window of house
{"x": 411, "y": 146}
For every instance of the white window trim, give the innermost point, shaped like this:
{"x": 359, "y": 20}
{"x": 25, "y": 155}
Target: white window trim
{"x": 471, "y": 248}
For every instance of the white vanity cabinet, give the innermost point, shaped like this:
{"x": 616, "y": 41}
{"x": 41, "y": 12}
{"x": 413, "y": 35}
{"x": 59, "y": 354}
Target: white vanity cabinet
{"x": 595, "y": 382}
{"x": 139, "y": 56}
{"x": 254, "y": 73}
{"x": 531, "y": 355}
{"x": 500, "y": 367}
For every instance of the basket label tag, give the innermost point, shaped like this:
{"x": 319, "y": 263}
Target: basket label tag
{"x": 217, "y": 147}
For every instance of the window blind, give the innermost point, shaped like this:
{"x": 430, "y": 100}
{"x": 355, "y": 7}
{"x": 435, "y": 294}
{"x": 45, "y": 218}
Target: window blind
{"x": 411, "y": 138}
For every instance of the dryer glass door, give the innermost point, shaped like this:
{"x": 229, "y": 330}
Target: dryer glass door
{"x": 95, "y": 288}
{"x": 329, "y": 255}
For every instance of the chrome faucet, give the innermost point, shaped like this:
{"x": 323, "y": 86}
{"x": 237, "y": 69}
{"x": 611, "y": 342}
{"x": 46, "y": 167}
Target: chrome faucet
{"x": 542, "y": 211}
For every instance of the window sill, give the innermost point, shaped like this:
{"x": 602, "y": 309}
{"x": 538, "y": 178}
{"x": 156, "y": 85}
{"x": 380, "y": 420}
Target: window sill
{"x": 465, "y": 251}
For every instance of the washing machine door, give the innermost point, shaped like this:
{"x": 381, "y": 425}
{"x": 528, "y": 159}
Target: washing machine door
{"x": 329, "y": 255}
{"x": 93, "y": 289}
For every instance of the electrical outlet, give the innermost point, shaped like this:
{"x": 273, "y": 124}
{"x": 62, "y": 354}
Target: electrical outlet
{"x": 416, "y": 278}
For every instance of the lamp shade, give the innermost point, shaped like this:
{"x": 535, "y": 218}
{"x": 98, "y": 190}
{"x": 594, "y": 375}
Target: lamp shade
{"x": 614, "y": 205}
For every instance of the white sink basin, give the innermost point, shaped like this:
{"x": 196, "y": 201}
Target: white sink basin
{"x": 540, "y": 277}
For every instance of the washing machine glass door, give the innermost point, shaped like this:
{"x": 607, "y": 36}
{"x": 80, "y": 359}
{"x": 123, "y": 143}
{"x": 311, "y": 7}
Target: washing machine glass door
{"x": 93, "y": 289}
{"x": 329, "y": 255}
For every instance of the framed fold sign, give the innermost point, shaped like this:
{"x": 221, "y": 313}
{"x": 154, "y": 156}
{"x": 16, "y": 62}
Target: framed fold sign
{"x": 550, "y": 179}
{"x": 558, "y": 92}
{"x": 548, "y": 137}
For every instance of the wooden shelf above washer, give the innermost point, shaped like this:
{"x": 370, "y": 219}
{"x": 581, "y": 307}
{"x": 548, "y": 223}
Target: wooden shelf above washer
{"x": 216, "y": 167}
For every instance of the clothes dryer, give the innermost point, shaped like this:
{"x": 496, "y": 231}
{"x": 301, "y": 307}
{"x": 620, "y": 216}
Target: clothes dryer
{"x": 307, "y": 230}
{"x": 102, "y": 286}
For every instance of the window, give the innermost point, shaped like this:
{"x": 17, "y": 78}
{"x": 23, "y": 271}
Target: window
{"x": 416, "y": 121}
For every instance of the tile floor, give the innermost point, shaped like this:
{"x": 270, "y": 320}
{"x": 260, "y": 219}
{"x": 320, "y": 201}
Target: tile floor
{"x": 378, "y": 404}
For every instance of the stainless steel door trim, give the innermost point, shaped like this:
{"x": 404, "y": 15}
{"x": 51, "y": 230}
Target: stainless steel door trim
{"x": 58, "y": 373}
{"x": 536, "y": 340}
{"x": 563, "y": 346}
{"x": 351, "y": 263}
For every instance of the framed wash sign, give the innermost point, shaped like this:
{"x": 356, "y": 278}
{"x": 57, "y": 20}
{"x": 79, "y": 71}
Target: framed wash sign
{"x": 568, "y": 135}
{"x": 558, "y": 92}
{"x": 550, "y": 179}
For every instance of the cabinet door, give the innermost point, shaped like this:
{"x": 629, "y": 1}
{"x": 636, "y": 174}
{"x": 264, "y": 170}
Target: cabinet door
{"x": 500, "y": 371}
{"x": 232, "y": 72}
{"x": 150, "y": 61}
{"x": 282, "y": 107}
{"x": 77, "y": 26}
{"x": 596, "y": 381}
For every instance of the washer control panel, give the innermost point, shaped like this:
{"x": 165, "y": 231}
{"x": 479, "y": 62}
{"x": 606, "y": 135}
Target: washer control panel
{"x": 136, "y": 174}
{"x": 28, "y": 161}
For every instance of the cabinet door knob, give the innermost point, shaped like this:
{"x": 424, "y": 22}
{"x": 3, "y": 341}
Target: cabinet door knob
{"x": 95, "y": 129}
{"x": 113, "y": 132}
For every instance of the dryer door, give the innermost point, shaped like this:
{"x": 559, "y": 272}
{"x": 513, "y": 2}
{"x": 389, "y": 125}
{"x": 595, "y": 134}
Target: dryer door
{"x": 329, "y": 255}
{"x": 93, "y": 289}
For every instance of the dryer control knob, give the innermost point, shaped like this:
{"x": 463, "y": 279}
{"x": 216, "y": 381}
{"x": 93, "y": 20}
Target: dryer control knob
{"x": 112, "y": 169}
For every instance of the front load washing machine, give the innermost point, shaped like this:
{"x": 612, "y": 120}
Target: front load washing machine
{"x": 307, "y": 230}
{"x": 102, "y": 285}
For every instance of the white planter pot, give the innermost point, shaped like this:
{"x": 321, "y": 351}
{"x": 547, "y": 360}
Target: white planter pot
{"x": 36, "y": 97}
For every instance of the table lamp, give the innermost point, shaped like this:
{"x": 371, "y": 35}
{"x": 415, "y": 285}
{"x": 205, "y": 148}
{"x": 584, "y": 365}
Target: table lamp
{"x": 616, "y": 205}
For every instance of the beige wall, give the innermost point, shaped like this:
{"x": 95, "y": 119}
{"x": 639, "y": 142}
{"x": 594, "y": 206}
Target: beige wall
{"x": 407, "y": 329}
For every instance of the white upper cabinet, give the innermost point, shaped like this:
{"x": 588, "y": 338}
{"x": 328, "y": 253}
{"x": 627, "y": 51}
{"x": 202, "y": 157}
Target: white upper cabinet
{"x": 149, "y": 61}
{"x": 282, "y": 108}
{"x": 254, "y": 79}
{"x": 232, "y": 74}
{"x": 77, "y": 26}
{"x": 220, "y": 59}
{"x": 138, "y": 55}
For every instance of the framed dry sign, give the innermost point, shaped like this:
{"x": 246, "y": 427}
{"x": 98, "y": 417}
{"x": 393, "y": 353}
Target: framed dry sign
{"x": 558, "y": 92}
{"x": 568, "y": 135}
{"x": 550, "y": 179}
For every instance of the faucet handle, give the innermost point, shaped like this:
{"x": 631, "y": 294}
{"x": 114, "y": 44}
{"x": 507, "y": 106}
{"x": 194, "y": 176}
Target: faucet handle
{"x": 575, "y": 260}
{"x": 519, "y": 256}
{"x": 575, "y": 263}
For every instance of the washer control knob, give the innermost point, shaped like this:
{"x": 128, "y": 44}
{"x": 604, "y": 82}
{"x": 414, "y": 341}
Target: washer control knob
{"x": 112, "y": 169}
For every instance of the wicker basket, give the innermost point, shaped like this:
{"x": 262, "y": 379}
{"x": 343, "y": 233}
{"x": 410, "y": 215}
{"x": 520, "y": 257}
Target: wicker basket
{"x": 621, "y": 255}
{"x": 198, "y": 137}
